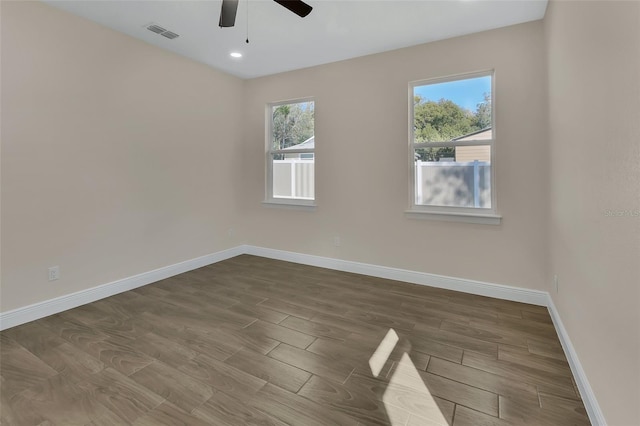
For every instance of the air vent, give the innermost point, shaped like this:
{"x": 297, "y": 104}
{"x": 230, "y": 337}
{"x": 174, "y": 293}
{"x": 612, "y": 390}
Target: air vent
{"x": 162, "y": 31}
{"x": 169, "y": 35}
{"x": 156, "y": 29}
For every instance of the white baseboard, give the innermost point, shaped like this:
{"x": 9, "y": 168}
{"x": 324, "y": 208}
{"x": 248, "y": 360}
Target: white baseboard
{"x": 516, "y": 294}
{"x": 534, "y": 297}
{"x": 588, "y": 397}
{"x": 49, "y": 307}
{"x": 53, "y": 306}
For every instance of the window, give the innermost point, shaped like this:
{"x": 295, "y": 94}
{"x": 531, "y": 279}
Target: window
{"x": 452, "y": 146}
{"x": 291, "y": 152}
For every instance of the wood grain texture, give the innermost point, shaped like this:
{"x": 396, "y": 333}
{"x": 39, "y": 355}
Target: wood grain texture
{"x": 254, "y": 341}
{"x": 549, "y": 382}
{"x": 168, "y": 414}
{"x": 361, "y": 399}
{"x": 313, "y": 363}
{"x": 120, "y": 394}
{"x": 294, "y": 409}
{"x": 269, "y": 369}
{"x": 316, "y": 329}
{"x": 173, "y": 385}
{"x": 483, "y": 380}
{"x": 223, "y": 409}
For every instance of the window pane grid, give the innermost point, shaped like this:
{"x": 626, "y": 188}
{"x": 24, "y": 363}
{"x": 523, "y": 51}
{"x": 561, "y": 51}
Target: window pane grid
{"x": 451, "y": 142}
{"x": 291, "y": 152}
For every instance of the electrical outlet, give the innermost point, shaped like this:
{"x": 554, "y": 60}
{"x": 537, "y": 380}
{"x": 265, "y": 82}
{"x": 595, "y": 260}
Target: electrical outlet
{"x": 336, "y": 241}
{"x": 54, "y": 273}
{"x": 231, "y": 232}
{"x": 555, "y": 282}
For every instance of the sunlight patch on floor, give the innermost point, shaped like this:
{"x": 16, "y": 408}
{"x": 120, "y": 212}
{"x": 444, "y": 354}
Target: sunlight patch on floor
{"x": 384, "y": 349}
{"x": 406, "y": 398}
{"x": 407, "y": 390}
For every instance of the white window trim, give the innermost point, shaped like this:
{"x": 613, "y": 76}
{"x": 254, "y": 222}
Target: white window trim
{"x": 276, "y": 203}
{"x": 453, "y": 214}
{"x": 270, "y": 200}
{"x": 484, "y": 219}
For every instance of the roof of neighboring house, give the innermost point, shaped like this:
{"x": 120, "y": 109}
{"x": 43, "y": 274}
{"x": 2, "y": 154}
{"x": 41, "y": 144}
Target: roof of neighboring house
{"x": 308, "y": 144}
{"x": 483, "y": 134}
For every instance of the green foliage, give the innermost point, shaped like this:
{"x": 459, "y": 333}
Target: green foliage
{"x": 434, "y": 154}
{"x": 482, "y": 117}
{"x": 444, "y": 121}
{"x": 292, "y": 124}
{"x": 441, "y": 121}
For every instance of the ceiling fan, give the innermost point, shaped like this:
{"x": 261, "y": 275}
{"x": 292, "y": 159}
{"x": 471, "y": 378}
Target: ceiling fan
{"x": 230, "y": 7}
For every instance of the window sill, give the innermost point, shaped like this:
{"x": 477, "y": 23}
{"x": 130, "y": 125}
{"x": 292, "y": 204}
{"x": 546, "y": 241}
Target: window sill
{"x": 291, "y": 204}
{"x": 484, "y": 219}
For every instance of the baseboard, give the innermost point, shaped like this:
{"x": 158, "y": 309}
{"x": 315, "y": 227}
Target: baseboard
{"x": 588, "y": 397}
{"x": 480, "y": 288}
{"x": 49, "y": 307}
{"x": 534, "y": 297}
{"x": 53, "y": 306}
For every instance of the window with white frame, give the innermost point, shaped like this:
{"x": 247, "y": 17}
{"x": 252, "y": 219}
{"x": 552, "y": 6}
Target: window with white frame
{"x": 452, "y": 153}
{"x": 291, "y": 152}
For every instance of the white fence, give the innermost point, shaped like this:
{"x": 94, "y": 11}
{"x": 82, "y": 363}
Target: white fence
{"x": 448, "y": 183}
{"x": 293, "y": 178}
{"x": 444, "y": 183}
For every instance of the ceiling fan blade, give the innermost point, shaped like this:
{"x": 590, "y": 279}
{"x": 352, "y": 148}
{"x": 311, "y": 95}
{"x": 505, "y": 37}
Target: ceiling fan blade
{"x": 228, "y": 13}
{"x": 298, "y": 7}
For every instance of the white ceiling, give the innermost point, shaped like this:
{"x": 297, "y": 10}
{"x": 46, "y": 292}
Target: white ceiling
{"x": 281, "y": 41}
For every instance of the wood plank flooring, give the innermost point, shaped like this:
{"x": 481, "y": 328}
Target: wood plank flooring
{"x": 253, "y": 341}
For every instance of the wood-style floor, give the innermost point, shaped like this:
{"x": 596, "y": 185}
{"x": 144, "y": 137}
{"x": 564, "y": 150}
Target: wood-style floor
{"x": 253, "y": 341}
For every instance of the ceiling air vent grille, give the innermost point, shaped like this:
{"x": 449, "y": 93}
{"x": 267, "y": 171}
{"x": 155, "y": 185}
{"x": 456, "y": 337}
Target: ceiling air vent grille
{"x": 169, "y": 35}
{"x": 162, "y": 31}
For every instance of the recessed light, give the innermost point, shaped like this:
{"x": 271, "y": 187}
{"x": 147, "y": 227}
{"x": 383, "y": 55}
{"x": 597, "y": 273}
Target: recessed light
{"x": 235, "y": 54}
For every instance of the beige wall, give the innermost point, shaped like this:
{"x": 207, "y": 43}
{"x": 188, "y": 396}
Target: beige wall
{"x": 116, "y": 155}
{"x": 117, "y": 159}
{"x": 362, "y": 161}
{"x": 594, "y": 116}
